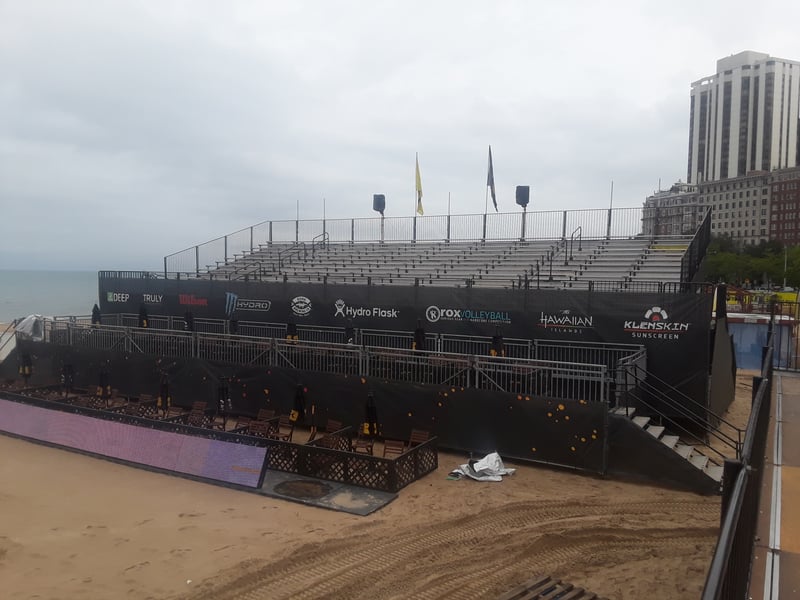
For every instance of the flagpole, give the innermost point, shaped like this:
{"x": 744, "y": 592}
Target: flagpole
{"x": 414, "y": 212}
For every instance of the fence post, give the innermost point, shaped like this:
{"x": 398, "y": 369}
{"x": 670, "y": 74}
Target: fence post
{"x": 297, "y": 230}
{"x": 197, "y": 260}
{"x": 251, "y": 239}
{"x": 225, "y": 246}
{"x": 165, "y": 267}
{"x": 414, "y": 231}
{"x": 756, "y": 384}
{"x": 564, "y": 226}
{"x": 608, "y": 225}
{"x": 270, "y": 232}
{"x": 483, "y": 236}
{"x": 447, "y": 239}
{"x": 730, "y": 472}
{"x": 352, "y": 230}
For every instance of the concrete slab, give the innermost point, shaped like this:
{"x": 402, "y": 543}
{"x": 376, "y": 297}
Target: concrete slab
{"x": 790, "y": 515}
{"x": 789, "y": 576}
{"x": 324, "y": 494}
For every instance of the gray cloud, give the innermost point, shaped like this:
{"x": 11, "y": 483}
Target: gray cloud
{"x": 132, "y": 130}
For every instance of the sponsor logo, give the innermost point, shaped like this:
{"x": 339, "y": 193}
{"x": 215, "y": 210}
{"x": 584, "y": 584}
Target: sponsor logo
{"x": 233, "y": 302}
{"x": 656, "y": 326}
{"x": 117, "y": 297}
{"x": 152, "y": 298}
{"x": 342, "y": 310}
{"x": 301, "y": 306}
{"x": 191, "y": 300}
{"x": 436, "y": 313}
{"x": 565, "y": 322}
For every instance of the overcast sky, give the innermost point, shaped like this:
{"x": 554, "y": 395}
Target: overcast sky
{"x": 131, "y": 130}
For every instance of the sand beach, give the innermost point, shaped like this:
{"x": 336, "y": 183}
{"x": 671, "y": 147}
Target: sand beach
{"x": 75, "y": 526}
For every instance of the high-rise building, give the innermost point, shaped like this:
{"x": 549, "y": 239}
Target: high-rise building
{"x": 744, "y": 118}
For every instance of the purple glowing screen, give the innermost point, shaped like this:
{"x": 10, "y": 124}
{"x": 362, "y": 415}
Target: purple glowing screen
{"x": 201, "y": 457}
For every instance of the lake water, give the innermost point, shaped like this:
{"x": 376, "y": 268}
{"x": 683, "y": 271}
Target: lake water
{"x": 50, "y": 293}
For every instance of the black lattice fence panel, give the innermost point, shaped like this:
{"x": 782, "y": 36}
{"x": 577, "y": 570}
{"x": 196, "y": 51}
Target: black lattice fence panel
{"x": 415, "y": 463}
{"x": 369, "y": 471}
{"x": 283, "y": 456}
{"x": 324, "y": 463}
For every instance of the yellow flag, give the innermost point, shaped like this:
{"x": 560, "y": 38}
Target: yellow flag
{"x": 419, "y": 190}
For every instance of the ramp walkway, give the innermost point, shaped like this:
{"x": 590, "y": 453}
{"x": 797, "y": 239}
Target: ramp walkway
{"x": 776, "y": 565}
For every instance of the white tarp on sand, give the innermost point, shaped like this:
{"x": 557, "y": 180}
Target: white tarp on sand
{"x": 489, "y": 468}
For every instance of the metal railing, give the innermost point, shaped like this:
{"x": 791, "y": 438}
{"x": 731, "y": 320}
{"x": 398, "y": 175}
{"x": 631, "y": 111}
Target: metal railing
{"x": 668, "y": 403}
{"x": 690, "y": 263}
{"x": 541, "y": 225}
{"x": 552, "y": 375}
{"x": 731, "y": 566}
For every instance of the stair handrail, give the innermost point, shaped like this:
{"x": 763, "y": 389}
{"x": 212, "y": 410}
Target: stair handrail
{"x": 322, "y": 240}
{"x": 691, "y": 400}
{"x": 295, "y": 248}
{"x": 713, "y": 430}
{"x": 716, "y": 432}
{"x": 579, "y": 231}
{"x": 8, "y": 339}
{"x": 685, "y": 432}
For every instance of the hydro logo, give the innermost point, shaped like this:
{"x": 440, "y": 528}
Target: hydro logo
{"x": 301, "y": 306}
{"x": 234, "y": 303}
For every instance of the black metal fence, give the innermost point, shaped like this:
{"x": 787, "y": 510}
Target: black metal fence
{"x": 731, "y": 565}
{"x": 559, "y": 369}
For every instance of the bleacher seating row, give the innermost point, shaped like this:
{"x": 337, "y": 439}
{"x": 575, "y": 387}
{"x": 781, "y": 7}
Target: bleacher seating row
{"x": 492, "y": 264}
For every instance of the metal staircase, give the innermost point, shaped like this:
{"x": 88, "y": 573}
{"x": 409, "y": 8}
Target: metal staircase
{"x": 690, "y": 429}
{"x": 701, "y": 455}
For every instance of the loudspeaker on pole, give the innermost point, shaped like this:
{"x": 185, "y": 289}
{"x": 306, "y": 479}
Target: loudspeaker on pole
{"x": 523, "y": 195}
{"x": 379, "y": 203}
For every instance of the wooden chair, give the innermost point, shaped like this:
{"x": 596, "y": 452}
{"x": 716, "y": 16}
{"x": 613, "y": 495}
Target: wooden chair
{"x": 332, "y": 426}
{"x": 393, "y": 448}
{"x": 197, "y": 415}
{"x": 285, "y": 429}
{"x": 260, "y": 429}
{"x": 265, "y": 414}
{"x": 363, "y": 444}
{"x": 241, "y": 425}
{"x": 418, "y": 436}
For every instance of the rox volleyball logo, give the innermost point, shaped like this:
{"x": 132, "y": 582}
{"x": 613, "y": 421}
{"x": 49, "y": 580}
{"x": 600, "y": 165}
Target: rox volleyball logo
{"x": 435, "y": 313}
{"x": 656, "y": 326}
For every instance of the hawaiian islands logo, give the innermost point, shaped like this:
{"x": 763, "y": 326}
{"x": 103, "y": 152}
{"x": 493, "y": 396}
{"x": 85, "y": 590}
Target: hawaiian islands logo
{"x": 435, "y": 313}
{"x": 656, "y": 326}
{"x": 342, "y": 310}
{"x": 565, "y": 322}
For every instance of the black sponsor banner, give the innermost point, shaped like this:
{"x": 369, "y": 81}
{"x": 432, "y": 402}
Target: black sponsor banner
{"x": 673, "y": 327}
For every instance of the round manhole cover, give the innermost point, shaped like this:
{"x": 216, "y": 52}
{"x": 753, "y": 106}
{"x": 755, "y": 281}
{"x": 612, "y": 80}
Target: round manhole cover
{"x": 306, "y": 490}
